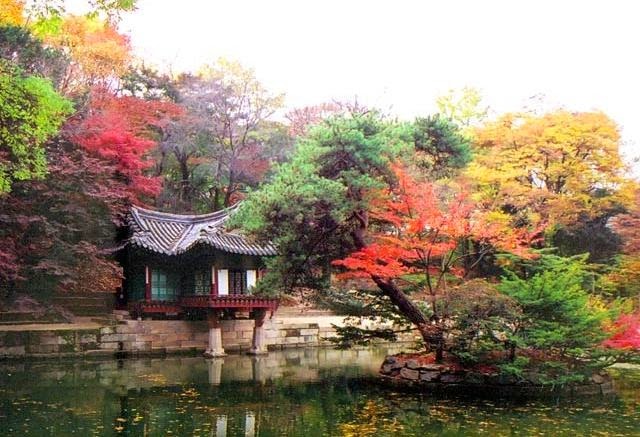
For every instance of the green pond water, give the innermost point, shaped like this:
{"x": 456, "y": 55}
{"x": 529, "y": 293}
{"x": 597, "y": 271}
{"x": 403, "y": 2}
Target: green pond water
{"x": 306, "y": 392}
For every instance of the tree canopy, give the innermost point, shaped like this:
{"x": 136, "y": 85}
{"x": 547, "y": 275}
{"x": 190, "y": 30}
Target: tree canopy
{"x": 31, "y": 112}
{"x": 557, "y": 168}
{"x": 494, "y": 237}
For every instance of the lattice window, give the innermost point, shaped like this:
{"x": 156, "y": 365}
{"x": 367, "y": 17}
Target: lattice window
{"x": 202, "y": 281}
{"x": 163, "y": 286}
{"x": 237, "y": 282}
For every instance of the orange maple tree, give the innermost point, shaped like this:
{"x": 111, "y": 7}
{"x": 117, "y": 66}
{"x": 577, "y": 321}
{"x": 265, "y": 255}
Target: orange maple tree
{"x": 419, "y": 233}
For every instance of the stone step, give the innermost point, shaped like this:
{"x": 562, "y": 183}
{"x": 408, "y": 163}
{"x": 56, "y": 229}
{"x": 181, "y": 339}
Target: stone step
{"x": 121, "y": 312}
{"x": 15, "y": 316}
{"x": 25, "y": 322}
{"x": 87, "y": 304}
{"x": 288, "y": 311}
{"x": 89, "y": 311}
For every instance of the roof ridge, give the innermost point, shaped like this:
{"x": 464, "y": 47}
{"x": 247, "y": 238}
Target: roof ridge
{"x": 185, "y": 218}
{"x": 186, "y": 232}
{"x": 172, "y": 234}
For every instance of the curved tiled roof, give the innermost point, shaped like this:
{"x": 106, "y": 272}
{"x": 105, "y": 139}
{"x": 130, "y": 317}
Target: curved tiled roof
{"x": 172, "y": 234}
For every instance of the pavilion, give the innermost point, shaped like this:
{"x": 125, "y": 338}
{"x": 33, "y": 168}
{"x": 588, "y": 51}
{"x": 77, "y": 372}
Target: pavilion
{"x": 192, "y": 266}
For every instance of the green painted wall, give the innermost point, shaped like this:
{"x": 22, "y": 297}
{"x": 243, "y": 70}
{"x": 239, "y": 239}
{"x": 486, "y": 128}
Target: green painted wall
{"x": 181, "y": 270}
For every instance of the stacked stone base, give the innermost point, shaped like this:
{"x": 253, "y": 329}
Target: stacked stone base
{"x": 156, "y": 337}
{"x": 437, "y": 378}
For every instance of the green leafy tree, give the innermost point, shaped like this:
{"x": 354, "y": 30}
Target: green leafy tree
{"x": 560, "y": 317}
{"x": 326, "y": 207}
{"x": 224, "y": 143}
{"x": 481, "y": 319}
{"x": 31, "y": 112}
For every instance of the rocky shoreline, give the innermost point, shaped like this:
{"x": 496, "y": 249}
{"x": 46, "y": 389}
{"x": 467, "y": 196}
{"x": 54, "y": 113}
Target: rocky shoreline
{"x": 433, "y": 377}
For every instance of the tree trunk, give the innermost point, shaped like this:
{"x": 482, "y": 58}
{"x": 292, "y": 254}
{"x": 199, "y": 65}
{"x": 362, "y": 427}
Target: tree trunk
{"x": 216, "y": 198}
{"x": 431, "y": 333}
{"x": 185, "y": 185}
{"x": 160, "y": 164}
{"x": 230, "y": 190}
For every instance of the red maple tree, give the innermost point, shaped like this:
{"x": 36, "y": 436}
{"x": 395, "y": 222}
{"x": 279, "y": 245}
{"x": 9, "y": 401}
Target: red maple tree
{"x": 121, "y": 130}
{"x": 626, "y": 333}
{"x": 58, "y": 232}
{"x": 419, "y": 233}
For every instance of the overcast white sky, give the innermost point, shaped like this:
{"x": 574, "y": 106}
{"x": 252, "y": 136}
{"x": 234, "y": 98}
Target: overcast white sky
{"x": 399, "y": 55}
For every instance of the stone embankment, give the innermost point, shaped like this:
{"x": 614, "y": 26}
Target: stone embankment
{"x": 432, "y": 377}
{"x": 149, "y": 337}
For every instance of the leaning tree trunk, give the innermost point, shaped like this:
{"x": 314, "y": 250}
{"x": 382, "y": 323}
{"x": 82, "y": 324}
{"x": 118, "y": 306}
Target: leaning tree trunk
{"x": 431, "y": 332}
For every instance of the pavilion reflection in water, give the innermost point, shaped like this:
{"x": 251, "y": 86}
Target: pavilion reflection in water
{"x": 232, "y": 395}
{"x": 249, "y": 425}
{"x": 262, "y": 370}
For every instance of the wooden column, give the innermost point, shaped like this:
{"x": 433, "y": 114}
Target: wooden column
{"x": 259, "y": 368}
{"x": 221, "y": 426}
{"x": 214, "y": 282}
{"x": 147, "y": 283}
{"x": 249, "y": 424}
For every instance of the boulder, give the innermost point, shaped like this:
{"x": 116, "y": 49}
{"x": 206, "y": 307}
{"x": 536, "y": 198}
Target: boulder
{"x": 412, "y": 364}
{"x": 474, "y": 378}
{"x": 433, "y": 367}
{"x": 533, "y": 377}
{"x": 429, "y": 375}
{"x": 390, "y": 359}
{"x": 449, "y": 378}
{"x": 386, "y": 368}
{"x": 504, "y": 379}
{"x": 607, "y": 388}
{"x": 410, "y": 374}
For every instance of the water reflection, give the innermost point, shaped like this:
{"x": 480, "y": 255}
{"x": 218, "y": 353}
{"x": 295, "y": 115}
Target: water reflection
{"x": 313, "y": 392}
{"x": 221, "y": 426}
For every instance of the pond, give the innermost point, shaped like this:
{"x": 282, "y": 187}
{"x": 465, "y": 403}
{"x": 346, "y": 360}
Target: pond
{"x": 302, "y": 392}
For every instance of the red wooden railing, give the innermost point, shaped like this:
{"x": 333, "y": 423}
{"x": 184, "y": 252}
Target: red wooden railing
{"x": 205, "y": 301}
{"x": 231, "y": 301}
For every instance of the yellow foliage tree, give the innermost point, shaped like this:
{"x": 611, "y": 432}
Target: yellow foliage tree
{"x": 11, "y": 12}
{"x": 559, "y": 168}
{"x": 99, "y": 54}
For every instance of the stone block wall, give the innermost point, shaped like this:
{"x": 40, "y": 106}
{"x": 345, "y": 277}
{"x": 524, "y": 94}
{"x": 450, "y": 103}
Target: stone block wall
{"x": 156, "y": 337}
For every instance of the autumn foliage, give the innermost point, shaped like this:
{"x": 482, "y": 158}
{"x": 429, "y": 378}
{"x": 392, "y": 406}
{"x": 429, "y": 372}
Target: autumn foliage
{"x": 559, "y": 168}
{"x": 11, "y": 12}
{"x": 626, "y": 333}
{"x": 99, "y": 53}
{"x": 419, "y": 232}
{"x": 120, "y": 129}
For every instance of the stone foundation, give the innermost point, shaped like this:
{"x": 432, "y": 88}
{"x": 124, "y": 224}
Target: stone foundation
{"x": 157, "y": 337}
{"x": 449, "y": 378}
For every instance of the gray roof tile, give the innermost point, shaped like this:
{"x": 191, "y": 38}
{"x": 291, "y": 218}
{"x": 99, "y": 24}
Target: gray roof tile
{"x": 172, "y": 234}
